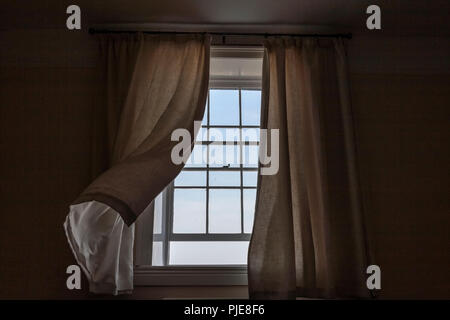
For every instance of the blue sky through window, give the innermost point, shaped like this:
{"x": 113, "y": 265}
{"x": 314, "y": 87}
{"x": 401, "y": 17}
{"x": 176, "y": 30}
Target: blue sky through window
{"x": 221, "y": 199}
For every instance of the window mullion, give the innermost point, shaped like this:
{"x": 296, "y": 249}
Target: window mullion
{"x": 168, "y": 219}
{"x": 241, "y": 162}
{"x": 207, "y": 166}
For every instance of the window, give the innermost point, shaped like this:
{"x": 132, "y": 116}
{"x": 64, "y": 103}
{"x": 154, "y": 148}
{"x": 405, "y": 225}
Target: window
{"x": 203, "y": 219}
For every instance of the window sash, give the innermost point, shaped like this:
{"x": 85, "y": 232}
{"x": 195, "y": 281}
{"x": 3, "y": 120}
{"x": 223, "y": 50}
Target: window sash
{"x": 168, "y": 235}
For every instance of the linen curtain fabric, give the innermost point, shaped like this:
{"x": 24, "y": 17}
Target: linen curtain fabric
{"x": 154, "y": 85}
{"x": 167, "y": 91}
{"x": 309, "y": 235}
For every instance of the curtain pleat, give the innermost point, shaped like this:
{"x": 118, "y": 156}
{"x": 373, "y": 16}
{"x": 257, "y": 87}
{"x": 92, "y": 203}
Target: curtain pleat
{"x": 309, "y": 234}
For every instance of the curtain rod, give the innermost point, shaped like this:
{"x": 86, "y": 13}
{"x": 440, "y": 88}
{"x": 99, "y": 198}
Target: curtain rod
{"x": 225, "y": 34}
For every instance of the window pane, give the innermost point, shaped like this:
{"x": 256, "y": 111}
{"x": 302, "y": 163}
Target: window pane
{"x": 208, "y": 252}
{"x": 191, "y": 179}
{"x": 189, "y": 211}
{"x": 224, "y": 107}
{"x": 250, "y": 134}
{"x": 224, "y": 155}
{"x": 157, "y": 259}
{"x": 251, "y": 107}
{"x": 249, "y": 209}
{"x": 224, "y": 134}
{"x": 225, "y": 211}
{"x": 250, "y": 156}
{"x": 198, "y": 157}
{"x": 202, "y": 134}
{"x": 205, "y": 115}
{"x": 249, "y": 178}
{"x": 224, "y": 178}
{"x": 157, "y": 219}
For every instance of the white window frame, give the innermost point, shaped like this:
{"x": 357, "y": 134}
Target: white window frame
{"x": 209, "y": 275}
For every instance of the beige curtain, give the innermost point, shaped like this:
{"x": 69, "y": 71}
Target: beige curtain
{"x": 155, "y": 84}
{"x": 309, "y": 235}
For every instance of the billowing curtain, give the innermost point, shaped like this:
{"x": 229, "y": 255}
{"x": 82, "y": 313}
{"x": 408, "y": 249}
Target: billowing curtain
{"x": 154, "y": 85}
{"x": 309, "y": 234}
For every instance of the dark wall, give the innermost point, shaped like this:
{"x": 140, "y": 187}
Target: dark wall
{"x": 401, "y": 101}
{"x": 48, "y": 88}
{"x": 400, "y": 89}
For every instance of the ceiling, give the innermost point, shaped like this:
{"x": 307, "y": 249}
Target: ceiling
{"x": 398, "y": 16}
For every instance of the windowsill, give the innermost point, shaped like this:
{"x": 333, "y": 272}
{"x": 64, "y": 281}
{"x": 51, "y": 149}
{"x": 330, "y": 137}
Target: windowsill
{"x": 190, "y": 276}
